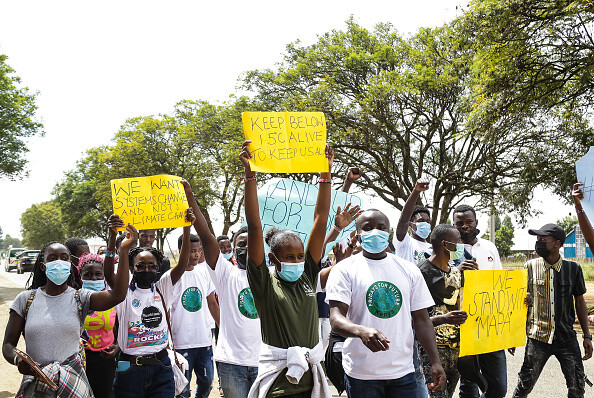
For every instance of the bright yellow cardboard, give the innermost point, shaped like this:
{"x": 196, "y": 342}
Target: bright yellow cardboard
{"x": 150, "y": 202}
{"x": 286, "y": 142}
{"x": 494, "y": 301}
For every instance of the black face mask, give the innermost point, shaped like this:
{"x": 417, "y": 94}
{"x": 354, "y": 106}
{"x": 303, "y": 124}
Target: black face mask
{"x": 468, "y": 237}
{"x": 144, "y": 278}
{"x": 241, "y": 257}
{"x": 541, "y": 249}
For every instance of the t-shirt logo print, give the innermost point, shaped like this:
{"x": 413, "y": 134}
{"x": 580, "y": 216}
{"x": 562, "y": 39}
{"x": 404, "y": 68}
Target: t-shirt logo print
{"x": 245, "y": 303}
{"x": 383, "y": 299}
{"x": 192, "y": 299}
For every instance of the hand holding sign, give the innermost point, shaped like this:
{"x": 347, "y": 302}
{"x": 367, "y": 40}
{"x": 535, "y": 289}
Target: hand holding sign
{"x": 286, "y": 142}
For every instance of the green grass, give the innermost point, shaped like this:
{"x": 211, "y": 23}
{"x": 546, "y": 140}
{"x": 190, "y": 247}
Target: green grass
{"x": 587, "y": 267}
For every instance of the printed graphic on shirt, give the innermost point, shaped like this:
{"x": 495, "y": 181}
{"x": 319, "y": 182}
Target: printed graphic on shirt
{"x": 383, "y": 299}
{"x": 192, "y": 299}
{"x": 246, "y": 304}
{"x": 135, "y": 303}
{"x": 418, "y": 256}
{"x": 140, "y": 333}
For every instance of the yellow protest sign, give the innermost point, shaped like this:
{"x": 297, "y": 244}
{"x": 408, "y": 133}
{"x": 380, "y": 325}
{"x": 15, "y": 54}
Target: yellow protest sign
{"x": 286, "y": 142}
{"x": 150, "y": 202}
{"x": 494, "y": 302}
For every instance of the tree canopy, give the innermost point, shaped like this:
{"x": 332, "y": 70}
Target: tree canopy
{"x": 17, "y": 122}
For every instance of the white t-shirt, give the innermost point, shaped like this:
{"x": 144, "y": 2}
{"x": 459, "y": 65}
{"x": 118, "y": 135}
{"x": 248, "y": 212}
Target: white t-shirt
{"x": 143, "y": 326}
{"x": 411, "y": 249}
{"x": 209, "y": 319}
{"x": 381, "y": 294}
{"x": 190, "y": 309}
{"x": 239, "y": 331}
{"x": 486, "y": 254}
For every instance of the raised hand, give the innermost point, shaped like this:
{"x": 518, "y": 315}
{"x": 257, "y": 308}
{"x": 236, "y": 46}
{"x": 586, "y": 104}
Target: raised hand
{"x": 344, "y": 218}
{"x": 131, "y": 238}
{"x": 245, "y": 156}
{"x": 353, "y": 174}
{"x": 190, "y": 216}
{"x": 329, "y": 155}
{"x": 114, "y": 222}
{"x": 577, "y": 193}
{"x": 340, "y": 253}
{"x": 422, "y": 185}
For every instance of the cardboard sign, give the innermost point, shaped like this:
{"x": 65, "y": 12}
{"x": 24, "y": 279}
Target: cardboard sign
{"x": 150, "y": 202}
{"x": 286, "y": 142}
{"x": 585, "y": 174}
{"x": 288, "y": 204}
{"x": 494, "y": 302}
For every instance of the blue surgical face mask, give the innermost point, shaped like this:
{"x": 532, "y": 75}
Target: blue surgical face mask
{"x": 227, "y": 256}
{"x": 423, "y": 229}
{"x": 58, "y": 271}
{"x": 290, "y": 271}
{"x": 458, "y": 253}
{"x": 96, "y": 286}
{"x": 374, "y": 241}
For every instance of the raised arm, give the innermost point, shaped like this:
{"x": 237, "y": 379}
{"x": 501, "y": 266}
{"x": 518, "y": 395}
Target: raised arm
{"x": 252, "y": 210}
{"x": 409, "y": 206}
{"x": 315, "y": 242}
{"x": 106, "y": 299}
{"x": 353, "y": 175}
{"x": 113, "y": 223}
{"x": 583, "y": 220}
{"x": 209, "y": 241}
{"x": 184, "y": 255}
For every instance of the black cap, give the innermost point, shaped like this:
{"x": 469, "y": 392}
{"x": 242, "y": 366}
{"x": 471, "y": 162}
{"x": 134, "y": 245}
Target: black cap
{"x": 550, "y": 230}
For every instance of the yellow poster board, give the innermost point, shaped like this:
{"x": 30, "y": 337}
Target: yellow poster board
{"x": 150, "y": 202}
{"x": 286, "y": 142}
{"x": 494, "y": 302}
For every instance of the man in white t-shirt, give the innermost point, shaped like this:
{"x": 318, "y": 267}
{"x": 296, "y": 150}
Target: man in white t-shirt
{"x": 374, "y": 299}
{"x": 413, "y": 248}
{"x": 418, "y": 219}
{"x": 493, "y": 365}
{"x": 192, "y": 335}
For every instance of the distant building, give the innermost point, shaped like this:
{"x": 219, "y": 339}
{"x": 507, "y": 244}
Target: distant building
{"x": 575, "y": 245}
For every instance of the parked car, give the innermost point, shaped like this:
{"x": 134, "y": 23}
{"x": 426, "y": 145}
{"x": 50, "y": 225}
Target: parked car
{"x": 26, "y": 261}
{"x": 10, "y": 257}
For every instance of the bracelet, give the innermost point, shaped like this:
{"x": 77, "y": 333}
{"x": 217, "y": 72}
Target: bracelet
{"x": 246, "y": 179}
{"x": 16, "y": 358}
{"x": 334, "y": 227}
{"x": 588, "y": 336}
{"x": 324, "y": 180}
{"x": 110, "y": 254}
{"x": 580, "y": 210}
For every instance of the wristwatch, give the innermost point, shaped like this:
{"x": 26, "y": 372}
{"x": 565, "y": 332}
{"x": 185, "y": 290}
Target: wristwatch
{"x": 588, "y": 336}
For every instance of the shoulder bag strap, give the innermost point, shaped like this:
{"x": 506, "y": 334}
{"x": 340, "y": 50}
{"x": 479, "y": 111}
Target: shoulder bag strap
{"x": 169, "y": 327}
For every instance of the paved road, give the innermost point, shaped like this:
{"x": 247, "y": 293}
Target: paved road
{"x": 550, "y": 384}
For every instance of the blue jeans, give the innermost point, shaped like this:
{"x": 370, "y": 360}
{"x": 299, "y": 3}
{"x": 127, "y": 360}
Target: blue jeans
{"x": 494, "y": 367}
{"x": 404, "y": 387}
{"x": 154, "y": 381}
{"x": 236, "y": 380}
{"x": 422, "y": 391}
{"x": 200, "y": 361}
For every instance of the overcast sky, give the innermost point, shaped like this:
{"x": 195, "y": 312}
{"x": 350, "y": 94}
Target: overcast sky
{"x": 97, "y": 64}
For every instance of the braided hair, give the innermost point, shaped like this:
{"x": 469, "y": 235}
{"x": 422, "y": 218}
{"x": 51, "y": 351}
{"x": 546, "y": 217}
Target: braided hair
{"x": 37, "y": 278}
{"x": 135, "y": 251}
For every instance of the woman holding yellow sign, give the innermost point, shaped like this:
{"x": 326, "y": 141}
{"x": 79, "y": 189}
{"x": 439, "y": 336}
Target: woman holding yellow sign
{"x": 291, "y": 351}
